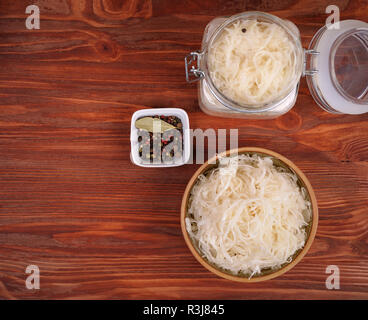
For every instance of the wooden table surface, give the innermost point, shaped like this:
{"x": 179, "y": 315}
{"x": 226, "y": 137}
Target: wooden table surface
{"x": 99, "y": 227}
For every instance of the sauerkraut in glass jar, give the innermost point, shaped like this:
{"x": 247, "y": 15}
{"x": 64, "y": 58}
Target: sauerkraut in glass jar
{"x": 251, "y": 63}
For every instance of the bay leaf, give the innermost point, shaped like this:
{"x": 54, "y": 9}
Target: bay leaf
{"x": 153, "y": 124}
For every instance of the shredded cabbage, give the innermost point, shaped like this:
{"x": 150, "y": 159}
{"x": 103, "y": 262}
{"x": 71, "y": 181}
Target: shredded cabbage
{"x": 252, "y": 62}
{"x": 248, "y": 215}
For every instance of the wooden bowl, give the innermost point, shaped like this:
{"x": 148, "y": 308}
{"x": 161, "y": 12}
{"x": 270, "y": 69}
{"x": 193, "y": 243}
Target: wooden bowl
{"x": 267, "y": 274}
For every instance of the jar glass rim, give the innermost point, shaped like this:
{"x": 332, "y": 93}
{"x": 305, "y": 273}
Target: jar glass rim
{"x": 262, "y": 107}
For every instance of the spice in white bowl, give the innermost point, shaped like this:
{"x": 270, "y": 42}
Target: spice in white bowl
{"x": 167, "y": 132}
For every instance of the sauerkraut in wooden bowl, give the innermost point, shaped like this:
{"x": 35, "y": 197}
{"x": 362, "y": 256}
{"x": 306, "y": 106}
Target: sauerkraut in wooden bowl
{"x": 249, "y": 215}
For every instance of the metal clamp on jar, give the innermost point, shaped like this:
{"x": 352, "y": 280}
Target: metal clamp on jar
{"x": 335, "y": 64}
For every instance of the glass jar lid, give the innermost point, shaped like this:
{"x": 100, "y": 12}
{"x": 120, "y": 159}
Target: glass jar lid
{"x": 340, "y": 84}
{"x": 202, "y": 71}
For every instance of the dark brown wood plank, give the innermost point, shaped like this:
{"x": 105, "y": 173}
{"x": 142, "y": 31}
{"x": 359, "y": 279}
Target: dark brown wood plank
{"x": 71, "y": 201}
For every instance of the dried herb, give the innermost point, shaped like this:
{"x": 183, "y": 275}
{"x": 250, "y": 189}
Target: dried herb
{"x": 153, "y": 124}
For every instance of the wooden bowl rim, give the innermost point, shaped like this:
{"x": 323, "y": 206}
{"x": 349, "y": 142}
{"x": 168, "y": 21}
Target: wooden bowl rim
{"x": 278, "y": 272}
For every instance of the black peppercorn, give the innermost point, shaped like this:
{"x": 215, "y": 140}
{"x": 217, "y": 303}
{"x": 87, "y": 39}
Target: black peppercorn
{"x": 151, "y": 140}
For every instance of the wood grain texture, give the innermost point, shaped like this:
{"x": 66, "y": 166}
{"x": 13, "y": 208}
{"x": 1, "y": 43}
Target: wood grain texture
{"x": 99, "y": 227}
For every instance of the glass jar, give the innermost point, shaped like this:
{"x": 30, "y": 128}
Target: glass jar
{"x": 341, "y": 83}
{"x": 331, "y": 44}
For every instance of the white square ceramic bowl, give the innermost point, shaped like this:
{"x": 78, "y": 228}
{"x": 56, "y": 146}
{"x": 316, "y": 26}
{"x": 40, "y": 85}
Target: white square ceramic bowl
{"x": 181, "y": 114}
